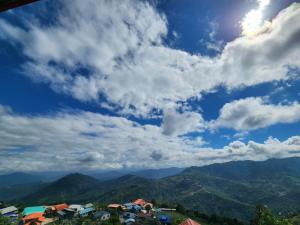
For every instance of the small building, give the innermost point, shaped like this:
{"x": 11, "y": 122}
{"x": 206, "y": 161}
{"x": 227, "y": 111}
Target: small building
{"x": 132, "y": 207}
{"x": 10, "y": 212}
{"x": 76, "y": 207}
{"x": 127, "y": 215}
{"x": 61, "y": 214}
{"x": 86, "y": 212}
{"x": 65, "y": 214}
{"x": 34, "y": 209}
{"x": 143, "y": 218}
{"x": 116, "y": 206}
{"x": 101, "y": 215}
{"x": 129, "y": 221}
{"x": 36, "y": 218}
{"x": 60, "y": 207}
{"x": 140, "y": 202}
{"x": 164, "y": 219}
{"x": 88, "y": 205}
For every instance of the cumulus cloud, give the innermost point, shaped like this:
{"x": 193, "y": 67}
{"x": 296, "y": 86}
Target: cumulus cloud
{"x": 175, "y": 123}
{"x": 75, "y": 140}
{"x": 116, "y": 50}
{"x": 254, "y": 113}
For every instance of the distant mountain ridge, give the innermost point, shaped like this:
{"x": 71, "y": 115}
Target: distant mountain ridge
{"x": 147, "y": 173}
{"x": 228, "y": 189}
{"x": 18, "y": 178}
{"x": 245, "y": 170}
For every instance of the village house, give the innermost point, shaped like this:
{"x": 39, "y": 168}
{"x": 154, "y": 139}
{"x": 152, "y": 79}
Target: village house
{"x": 36, "y": 218}
{"x": 75, "y": 208}
{"x": 61, "y": 206}
{"x": 65, "y": 214}
{"x": 86, "y": 212}
{"x": 34, "y": 209}
{"x": 101, "y": 215}
{"x": 132, "y": 207}
{"x": 129, "y": 221}
{"x": 144, "y": 218}
{"x": 140, "y": 202}
{"x": 164, "y": 219}
{"x": 127, "y": 215}
{"x": 10, "y": 212}
{"x": 88, "y": 205}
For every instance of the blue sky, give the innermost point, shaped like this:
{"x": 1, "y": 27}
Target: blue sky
{"x": 102, "y": 85}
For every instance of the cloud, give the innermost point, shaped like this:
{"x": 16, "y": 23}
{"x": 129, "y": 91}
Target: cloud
{"x": 175, "y": 123}
{"x": 254, "y": 113}
{"x": 253, "y": 23}
{"x": 117, "y": 50}
{"x": 85, "y": 140}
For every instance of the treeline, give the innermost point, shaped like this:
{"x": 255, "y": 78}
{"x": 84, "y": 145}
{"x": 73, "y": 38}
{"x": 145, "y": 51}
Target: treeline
{"x": 263, "y": 216}
{"x": 209, "y": 219}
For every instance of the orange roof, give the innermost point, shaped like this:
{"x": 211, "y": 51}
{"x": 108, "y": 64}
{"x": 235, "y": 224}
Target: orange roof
{"x": 33, "y": 216}
{"x": 114, "y": 206}
{"x": 189, "y": 222}
{"x": 61, "y": 206}
{"x": 140, "y": 202}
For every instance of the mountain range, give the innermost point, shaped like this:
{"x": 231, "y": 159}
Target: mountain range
{"x": 228, "y": 189}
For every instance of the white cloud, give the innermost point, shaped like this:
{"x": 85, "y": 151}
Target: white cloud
{"x": 121, "y": 49}
{"x": 175, "y": 123}
{"x": 254, "y": 113}
{"x": 75, "y": 140}
{"x": 121, "y": 45}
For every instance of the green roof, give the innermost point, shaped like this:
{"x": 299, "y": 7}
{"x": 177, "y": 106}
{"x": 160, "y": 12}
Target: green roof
{"x": 34, "y": 209}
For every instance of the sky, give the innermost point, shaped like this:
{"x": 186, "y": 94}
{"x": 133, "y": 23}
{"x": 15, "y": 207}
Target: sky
{"x": 103, "y": 85}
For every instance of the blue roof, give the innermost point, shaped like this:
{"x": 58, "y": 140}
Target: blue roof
{"x": 87, "y": 210}
{"x": 34, "y": 209}
{"x": 164, "y": 218}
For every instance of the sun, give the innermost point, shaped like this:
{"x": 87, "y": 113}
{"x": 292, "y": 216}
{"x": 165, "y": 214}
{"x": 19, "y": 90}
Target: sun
{"x": 254, "y": 23}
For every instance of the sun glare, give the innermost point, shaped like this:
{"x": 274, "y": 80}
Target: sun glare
{"x": 253, "y": 23}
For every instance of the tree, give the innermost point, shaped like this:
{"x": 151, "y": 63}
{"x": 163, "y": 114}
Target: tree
{"x": 4, "y": 221}
{"x": 265, "y": 217}
{"x": 180, "y": 209}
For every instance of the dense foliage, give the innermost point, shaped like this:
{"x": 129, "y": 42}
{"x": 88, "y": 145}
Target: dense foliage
{"x": 265, "y": 217}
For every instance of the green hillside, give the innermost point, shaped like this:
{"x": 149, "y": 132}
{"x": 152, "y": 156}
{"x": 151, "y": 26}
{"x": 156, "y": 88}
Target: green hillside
{"x": 221, "y": 189}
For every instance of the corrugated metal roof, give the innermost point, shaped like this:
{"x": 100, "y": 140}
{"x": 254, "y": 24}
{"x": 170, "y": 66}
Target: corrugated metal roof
{"x": 8, "y": 210}
{"x": 87, "y": 210}
{"x": 88, "y": 205}
{"x": 101, "y": 213}
{"x": 34, "y": 209}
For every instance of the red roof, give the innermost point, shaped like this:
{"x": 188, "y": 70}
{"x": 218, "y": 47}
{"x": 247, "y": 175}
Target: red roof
{"x": 61, "y": 206}
{"x": 189, "y": 222}
{"x": 37, "y": 217}
{"x": 140, "y": 202}
{"x": 33, "y": 216}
